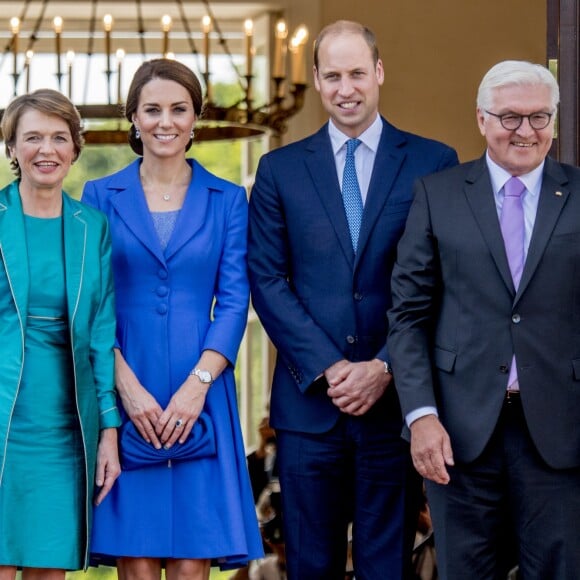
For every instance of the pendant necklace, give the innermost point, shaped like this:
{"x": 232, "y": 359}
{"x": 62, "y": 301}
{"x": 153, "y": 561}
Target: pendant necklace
{"x": 164, "y": 196}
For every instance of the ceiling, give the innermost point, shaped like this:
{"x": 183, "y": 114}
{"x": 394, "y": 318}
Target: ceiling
{"x": 83, "y": 21}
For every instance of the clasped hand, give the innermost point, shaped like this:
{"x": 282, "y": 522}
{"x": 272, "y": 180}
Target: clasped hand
{"x": 355, "y": 387}
{"x": 163, "y": 427}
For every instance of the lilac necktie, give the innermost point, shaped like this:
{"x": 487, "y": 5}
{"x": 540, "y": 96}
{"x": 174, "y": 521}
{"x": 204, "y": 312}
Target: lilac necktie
{"x": 351, "y": 195}
{"x": 512, "y": 229}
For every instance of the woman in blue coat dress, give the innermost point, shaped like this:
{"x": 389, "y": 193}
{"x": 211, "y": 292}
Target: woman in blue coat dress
{"x": 183, "y": 499}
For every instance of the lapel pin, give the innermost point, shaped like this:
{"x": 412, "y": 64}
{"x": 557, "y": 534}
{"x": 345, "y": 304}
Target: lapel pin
{"x": 558, "y": 193}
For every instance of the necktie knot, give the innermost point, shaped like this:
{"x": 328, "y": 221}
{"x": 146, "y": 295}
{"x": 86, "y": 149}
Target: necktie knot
{"x": 514, "y": 187}
{"x": 351, "y": 146}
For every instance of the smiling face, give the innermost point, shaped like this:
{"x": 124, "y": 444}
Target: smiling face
{"x": 522, "y": 150}
{"x": 348, "y": 81}
{"x": 165, "y": 117}
{"x": 44, "y": 149}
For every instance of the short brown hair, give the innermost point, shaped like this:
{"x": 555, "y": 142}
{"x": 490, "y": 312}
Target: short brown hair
{"x": 166, "y": 69}
{"x": 348, "y": 26}
{"x": 49, "y": 102}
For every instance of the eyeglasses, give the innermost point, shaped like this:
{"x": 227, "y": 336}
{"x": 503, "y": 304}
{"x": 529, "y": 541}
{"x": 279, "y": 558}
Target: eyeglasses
{"x": 513, "y": 121}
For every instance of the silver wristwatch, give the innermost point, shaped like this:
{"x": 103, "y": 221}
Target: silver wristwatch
{"x": 203, "y": 375}
{"x": 388, "y": 368}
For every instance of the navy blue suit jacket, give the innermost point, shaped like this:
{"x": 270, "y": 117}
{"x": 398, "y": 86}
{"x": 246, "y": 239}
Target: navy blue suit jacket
{"x": 318, "y": 302}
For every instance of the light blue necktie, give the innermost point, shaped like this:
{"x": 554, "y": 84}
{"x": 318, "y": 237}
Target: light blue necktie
{"x": 351, "y": 196}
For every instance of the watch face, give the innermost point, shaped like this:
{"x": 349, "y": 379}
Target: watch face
{"x": 204, "y": 376}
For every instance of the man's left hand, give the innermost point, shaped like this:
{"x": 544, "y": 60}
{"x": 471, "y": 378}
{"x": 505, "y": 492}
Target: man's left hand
{"x": 357, "y": 386}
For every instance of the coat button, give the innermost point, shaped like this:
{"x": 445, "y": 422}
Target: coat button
{"x": 350, "y": 339}
{"x": 358, "y": 296}
{"x": 516, "y": 318}
{"x": 162, "y": 308}
{"x": 162, "y": 291}
{"x": 162, "y": 274}
{"x": 503, "y": 369}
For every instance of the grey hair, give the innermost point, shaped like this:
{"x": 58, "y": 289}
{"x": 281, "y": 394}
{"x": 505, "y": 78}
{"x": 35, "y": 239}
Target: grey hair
{"x": 516, "y": 73}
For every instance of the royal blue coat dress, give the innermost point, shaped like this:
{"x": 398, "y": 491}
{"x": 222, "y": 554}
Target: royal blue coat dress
{"x": 171, "y": 305}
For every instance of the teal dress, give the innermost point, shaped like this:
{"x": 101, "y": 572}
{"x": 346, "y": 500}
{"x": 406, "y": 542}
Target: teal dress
{"x": 42, "y": 493}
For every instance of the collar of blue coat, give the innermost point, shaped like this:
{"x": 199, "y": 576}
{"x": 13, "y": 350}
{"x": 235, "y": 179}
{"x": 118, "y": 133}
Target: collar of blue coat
{"x": 128, "y": 199}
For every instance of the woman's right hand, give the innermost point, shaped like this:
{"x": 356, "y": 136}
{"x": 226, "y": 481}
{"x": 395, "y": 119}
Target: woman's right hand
{"x": 142, "y": 408}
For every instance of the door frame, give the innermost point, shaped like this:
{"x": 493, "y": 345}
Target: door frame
{"x": 563, "y": 57}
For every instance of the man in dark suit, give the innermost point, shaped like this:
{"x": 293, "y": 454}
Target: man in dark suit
{"x": 320, "y": 278}
{"x": 485, "y": 340}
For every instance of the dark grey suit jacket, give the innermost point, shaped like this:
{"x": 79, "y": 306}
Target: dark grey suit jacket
{"x": 456, "y": 318}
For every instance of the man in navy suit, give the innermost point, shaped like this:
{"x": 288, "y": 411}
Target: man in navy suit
{"x": 322, "y": 293}
{"x": 485, "y": 340}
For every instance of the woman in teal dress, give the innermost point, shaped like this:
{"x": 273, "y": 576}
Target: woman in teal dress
{"x": 58, "y": 416}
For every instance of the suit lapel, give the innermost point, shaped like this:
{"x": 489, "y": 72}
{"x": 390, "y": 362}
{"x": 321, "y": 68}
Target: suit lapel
{"x": 388, "y": 161}
{"x": 75, "y": 239}
{"x": 130, "y": 205}
{"x": 479, "y": 193}
{"x": 13, "y": 246}
{"x": 322, "y": 169}
{"x": 549, "y": 209}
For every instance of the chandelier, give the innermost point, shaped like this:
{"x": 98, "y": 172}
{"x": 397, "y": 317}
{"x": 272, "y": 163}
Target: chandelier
{"x": 93, "y": 47}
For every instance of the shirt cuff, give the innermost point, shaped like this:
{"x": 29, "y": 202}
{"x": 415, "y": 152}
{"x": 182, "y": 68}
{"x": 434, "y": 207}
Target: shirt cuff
{"x": 418, "y": 413}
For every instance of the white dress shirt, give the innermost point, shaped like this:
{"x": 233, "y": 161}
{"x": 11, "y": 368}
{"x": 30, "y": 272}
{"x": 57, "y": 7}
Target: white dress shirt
{"x": 364, "y": 156}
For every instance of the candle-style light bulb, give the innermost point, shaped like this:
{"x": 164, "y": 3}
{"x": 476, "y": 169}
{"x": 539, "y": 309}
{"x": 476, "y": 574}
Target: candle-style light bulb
{"x": 57, "y": 24}
{"x": 28, "y": 65}
{"x": 15, "y": 25}
{"x": 108, "y": 26}
{"x": 280, "y": 48}
{"x": 301, "y": 34}
{"x": 297, "y": 45}
{"x": 70, "y": 58}
{"x": 15, "y": 29}
{"x": 166, "y": 23}
{"x": 108, "y": 22}
{"x": 206, "y": 27}
{"x": 249, "y": 30}
{"x": 120, "y": 54}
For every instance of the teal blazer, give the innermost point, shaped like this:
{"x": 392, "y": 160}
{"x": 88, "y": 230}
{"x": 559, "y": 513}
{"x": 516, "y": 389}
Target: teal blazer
{"x": 91, "y": 315}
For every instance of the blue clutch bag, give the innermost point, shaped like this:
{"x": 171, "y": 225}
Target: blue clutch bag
{"x": 136, "y": 453}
